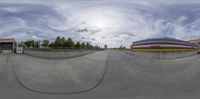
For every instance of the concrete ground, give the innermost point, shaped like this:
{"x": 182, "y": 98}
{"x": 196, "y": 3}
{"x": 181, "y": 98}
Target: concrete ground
{"x": 100, "y": 75}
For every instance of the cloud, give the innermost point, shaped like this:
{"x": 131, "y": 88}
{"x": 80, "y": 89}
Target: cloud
{"x": 37, "y": 21}
{"x": 112, "y": 23}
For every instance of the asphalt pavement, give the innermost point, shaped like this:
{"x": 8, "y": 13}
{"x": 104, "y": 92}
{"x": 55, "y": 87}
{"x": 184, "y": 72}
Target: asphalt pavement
{"x": 108, "y": 74}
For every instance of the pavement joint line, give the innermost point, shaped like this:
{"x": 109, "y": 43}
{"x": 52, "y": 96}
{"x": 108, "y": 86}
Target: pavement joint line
{"x": 46, "y": 92}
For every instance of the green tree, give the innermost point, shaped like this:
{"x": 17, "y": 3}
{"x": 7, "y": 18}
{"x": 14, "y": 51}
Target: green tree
{"x": 96, "y": 47}
{"x": 78, "y": 45}
{"x": 45, "y": 43}
{"x": 51, "y": 45}
{"x": 37, "y": 44}
{"x": 32, "y": 43}
{"x": 28, "y": 43}
{"x": 88, "y": 45}
{"x": 70, "y": 43}
{"x": 21, "y": 44}
{"x": 58, "y": 42}
{"x": 91, "y": 46}
{"x": 63, "y": 40}
{"x": 83, "y": 46}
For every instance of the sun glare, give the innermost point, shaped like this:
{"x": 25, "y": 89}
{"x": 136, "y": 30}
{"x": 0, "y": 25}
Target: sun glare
{"x": 100, "y": 23}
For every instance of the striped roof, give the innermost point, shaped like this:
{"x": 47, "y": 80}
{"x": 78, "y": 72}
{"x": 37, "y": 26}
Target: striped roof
{"x": 161, "y": 43}
{"x": 7, "y": 39}
{"x": 163, "y": 40}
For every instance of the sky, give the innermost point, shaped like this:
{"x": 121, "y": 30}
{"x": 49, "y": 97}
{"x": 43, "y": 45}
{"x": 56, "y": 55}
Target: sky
{"x": 111, "y": 22}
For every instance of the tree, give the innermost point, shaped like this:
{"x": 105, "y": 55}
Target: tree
{"x": 91, "y": 46}
{"x": 58, "y": 42}
{"x": 37, "y": 44}
{"x": 83, "y": 46}
{"x": 96, "y": 47}
{"x": 21, "y": 44}
{"x": 51, "y": 44}
{"x": 29, "y": 43}
{"x": 70, "y": 43}
{"x": 105, "y": 46}
{"x": 45, "y": 43}
{"x": 26, "y": 44}
{"x": 122, "y": 47}
{"x": 78, "y": 45}
{"x": 32, "y": 43}
{"x": 63, "y": 40}
{"x": 88, "y": 45}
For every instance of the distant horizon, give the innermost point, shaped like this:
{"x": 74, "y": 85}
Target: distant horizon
{"x": 105, "y": 44}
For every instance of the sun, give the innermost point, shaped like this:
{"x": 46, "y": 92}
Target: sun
{"x": 100, "y": 21}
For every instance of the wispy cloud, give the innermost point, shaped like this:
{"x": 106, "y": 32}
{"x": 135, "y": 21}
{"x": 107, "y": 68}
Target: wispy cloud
{"x": 107, "y": 22}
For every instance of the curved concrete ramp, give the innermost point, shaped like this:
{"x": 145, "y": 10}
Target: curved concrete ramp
{"x": 60, "y": 76}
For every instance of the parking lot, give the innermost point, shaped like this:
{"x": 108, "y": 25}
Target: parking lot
{"x": 99, "y": 75}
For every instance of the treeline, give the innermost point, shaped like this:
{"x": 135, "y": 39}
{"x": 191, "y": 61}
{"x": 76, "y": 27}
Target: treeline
{"x": 59, "y": 42}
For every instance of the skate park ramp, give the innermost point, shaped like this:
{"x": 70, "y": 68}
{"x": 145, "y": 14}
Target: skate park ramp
{"x": 109, "y": 74}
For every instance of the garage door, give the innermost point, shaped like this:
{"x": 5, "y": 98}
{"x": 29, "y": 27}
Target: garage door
{"x": 7, "y": 47}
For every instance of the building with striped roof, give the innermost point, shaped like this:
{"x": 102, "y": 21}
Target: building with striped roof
{"x": 163, "y": 44}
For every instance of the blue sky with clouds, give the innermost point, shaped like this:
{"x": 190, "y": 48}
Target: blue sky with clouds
{"x": 99, "y": 22}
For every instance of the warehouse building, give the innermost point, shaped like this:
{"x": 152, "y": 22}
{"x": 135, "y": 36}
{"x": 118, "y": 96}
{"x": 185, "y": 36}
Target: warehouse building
{"x": 164, "y": 48}
{"x": 7, "y": 45}
{"x": 163, "y": 44}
